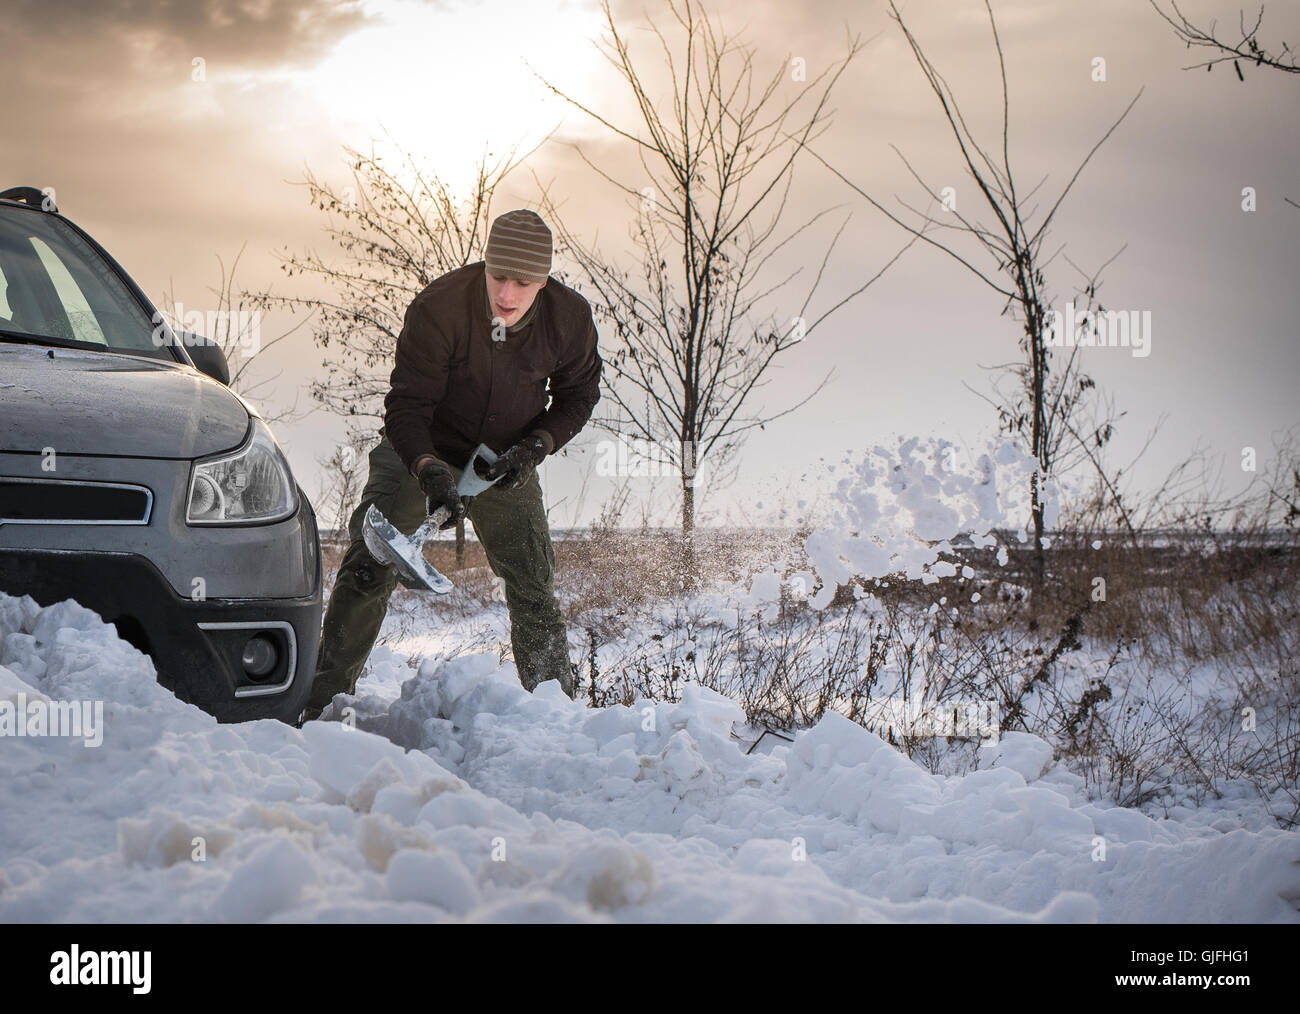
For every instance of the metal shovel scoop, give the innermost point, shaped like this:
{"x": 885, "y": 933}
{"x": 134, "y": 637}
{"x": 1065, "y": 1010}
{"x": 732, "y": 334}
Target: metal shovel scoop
{"x": 403, "y": 552}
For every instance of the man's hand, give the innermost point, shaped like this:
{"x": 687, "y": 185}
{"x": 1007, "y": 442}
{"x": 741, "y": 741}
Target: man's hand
{"x": 439, "y": 487}
{"x": 518, "y": 463}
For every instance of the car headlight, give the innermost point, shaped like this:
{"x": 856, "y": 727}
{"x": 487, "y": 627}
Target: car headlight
{"x": 247, "y": 486}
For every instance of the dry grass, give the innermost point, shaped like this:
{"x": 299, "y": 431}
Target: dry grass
{"x": 1106, "y": 680}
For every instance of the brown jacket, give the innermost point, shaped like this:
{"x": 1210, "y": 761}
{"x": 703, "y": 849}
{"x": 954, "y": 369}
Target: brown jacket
{"x": 453, "y": 386}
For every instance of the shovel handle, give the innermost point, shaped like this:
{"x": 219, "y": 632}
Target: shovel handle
{"x": 436, "y": 520}
{"x": 430, "y": 527}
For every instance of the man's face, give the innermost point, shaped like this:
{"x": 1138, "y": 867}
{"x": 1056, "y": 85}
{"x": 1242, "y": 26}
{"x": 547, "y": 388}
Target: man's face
{"x": 511, "y": 297}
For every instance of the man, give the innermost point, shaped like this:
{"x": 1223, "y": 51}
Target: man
{"x": 473, "y": 360}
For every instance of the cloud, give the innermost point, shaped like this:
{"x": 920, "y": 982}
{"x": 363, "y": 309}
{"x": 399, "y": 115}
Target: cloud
{"x": 244, "y": 33}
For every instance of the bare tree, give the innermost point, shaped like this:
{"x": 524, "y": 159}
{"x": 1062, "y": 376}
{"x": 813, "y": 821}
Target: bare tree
{"x": 233, "y": 321}
{"x": 343, "y": 479}
{"x": 1047, "y": 407}
{"x": 1247, "y": 48}
{"x": 689, "y": 349}
{"x": 396, "y": 230}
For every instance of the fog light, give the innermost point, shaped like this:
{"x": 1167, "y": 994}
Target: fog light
{"x": 260, "y": 656}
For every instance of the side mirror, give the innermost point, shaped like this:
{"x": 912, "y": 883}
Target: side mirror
{"x": 207, "y": 356}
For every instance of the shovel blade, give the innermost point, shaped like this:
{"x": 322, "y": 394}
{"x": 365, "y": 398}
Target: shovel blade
{"x": 401, "y": 552}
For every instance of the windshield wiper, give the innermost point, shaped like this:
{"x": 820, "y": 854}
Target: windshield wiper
{"x": 27, "y": 338}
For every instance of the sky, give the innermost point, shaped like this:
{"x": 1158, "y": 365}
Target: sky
{"x": 178, "y": 134}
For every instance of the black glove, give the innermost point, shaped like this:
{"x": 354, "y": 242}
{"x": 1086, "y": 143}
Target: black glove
{"x": 439, "y": 487}
{"x": 518, "y": 463}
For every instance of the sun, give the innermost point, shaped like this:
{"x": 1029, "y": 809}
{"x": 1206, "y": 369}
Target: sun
{"x": 448, "y": 82}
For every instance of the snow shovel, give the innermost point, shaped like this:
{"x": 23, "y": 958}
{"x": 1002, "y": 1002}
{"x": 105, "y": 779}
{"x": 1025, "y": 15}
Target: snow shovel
{"x": 403, "y": 552}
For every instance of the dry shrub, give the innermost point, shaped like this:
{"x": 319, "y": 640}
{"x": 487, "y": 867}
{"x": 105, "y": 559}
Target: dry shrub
{"x": 1106, "y": 680}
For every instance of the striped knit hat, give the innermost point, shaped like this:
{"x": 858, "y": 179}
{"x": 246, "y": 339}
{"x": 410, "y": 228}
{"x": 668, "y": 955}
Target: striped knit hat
{"x": 519, "y": 246}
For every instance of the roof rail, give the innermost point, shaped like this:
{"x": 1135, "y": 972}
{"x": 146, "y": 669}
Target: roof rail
{"x": 30, "y": 195}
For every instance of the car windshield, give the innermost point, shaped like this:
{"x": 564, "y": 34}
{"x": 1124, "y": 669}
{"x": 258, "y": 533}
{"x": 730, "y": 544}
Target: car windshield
{"x": 54, "y": 286}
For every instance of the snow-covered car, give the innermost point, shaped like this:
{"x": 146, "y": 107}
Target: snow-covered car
{"x": 134, "y": 480}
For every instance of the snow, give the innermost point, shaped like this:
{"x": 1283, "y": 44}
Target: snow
{"x": 459, "y": 796}
{"x": 1020, "y": 752}
{"x": 897, "y": 509}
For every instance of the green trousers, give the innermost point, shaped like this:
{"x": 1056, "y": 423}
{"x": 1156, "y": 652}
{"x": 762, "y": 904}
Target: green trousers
{"x": 510, "y": 525}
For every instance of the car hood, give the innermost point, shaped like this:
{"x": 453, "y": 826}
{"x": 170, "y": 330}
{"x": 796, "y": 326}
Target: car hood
{"x": 84, "y": 402}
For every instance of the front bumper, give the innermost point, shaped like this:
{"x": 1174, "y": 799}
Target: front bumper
{"x": 196, "y": 644}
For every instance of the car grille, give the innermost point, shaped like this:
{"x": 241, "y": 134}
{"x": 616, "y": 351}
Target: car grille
{"x": 68, "y": 502}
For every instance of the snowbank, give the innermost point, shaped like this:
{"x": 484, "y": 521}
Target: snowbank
{"x": 468, "y": 798}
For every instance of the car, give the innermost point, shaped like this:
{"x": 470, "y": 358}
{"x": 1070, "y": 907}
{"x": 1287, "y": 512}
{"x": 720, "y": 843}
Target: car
{"x": 135, "y": 481}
